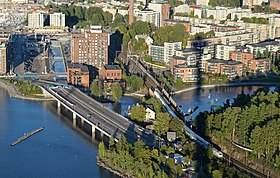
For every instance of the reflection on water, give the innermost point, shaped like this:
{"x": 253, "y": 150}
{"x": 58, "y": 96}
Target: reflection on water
{"x": 57, "y": 151}
{"x": 205, "y": 97}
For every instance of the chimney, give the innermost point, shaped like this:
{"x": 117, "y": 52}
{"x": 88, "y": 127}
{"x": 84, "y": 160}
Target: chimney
{"x": 131, "y": 12}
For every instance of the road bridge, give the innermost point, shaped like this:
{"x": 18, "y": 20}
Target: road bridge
{"x": 98, "y": 116}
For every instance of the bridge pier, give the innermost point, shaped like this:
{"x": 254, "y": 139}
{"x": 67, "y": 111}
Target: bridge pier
{"x": 92, "y": 132}
{"x": 82, "y": 122}
{"x": 58, "y": 106}
{"x": 74, "y": 119}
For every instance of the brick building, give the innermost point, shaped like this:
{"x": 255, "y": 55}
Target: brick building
{"x": 260, "y": 66}
{"x": 78, "y": 74}
{"x": 240, "y": 56}
{"x": 274, "y": 4}
{"x": 111, "y": 72}
{"x": 186, "y": 73}
{"x": 223, "y": 67}
{"x": 90, "y": 46}
{"x": 169, "y": 22}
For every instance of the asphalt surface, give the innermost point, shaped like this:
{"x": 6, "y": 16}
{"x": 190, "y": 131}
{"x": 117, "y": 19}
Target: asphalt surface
{"x": 109, "y": 121}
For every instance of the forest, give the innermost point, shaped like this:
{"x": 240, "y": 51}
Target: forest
{"x": 251, "y": 121}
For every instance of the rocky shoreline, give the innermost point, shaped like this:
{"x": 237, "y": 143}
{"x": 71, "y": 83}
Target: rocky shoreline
{"x": 13, "y": 91}
{"x": 103, "y": 164}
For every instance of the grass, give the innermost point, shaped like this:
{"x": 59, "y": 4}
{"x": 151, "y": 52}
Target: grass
{"x": 83, "y": 24}
{"x": 27, "y": 88}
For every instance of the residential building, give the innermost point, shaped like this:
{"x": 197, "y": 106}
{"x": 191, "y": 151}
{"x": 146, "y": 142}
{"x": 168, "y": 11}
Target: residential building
{"x": 244, "y": 57}
{"x": 252, "y": 3}
{"x": 150, "y": 113}
{"x": 3, "y": 59}
{"x": 204, "y": 28}
{"x": 78, "y": 74}
{"x": 111, "y": 72}
{"x": 35, "y": 20}
{"x": 186, "y": 73}
{"x": 162, "y": 7}
{"x": 57, "y": 19}
{"x": 90, "y": 46}
{"x": 274, "y": 4}
{"x": 223, "y": 51}
{"x": 264, "y": 46}
{"x": 191, "y": 56}
{"x": 148, "y": 16}
{"x": 165, "y": 52}
{"x": 229, "y": 68}
{"x": 260, "y": 66}
{"x": 147, "y": 39}
{"x": 202, "y": 2}
{"x": 184, "y": 8}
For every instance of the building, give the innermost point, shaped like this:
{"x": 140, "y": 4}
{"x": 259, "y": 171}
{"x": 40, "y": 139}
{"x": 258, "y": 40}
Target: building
{"x": 35, "y": 20}
{"x": 111, "y": 72}
{"x": 274, "y": 4}
{"x": 251, "y": 3}
{"x": 190, "y": 56}
{"x": 150, "y": 113}
{"x": 244, "y": 57}
{"x": 147, "y": 38}
{"x": 78, "y": 74}
{"x": 223, "y": 51}
{"x": 186, "y": 73}
{"x": 260, "y": 66}
{"x": 202, "y": 2}
{"x": 165, "y": 52}
{"x": 90, "y": 46}
{"x": 148, "y": 16}
{"x": 229, "y": 68}
{"x": 162, "y": 7}
{"x": 169, "y": 22}
{"x": 57, "y": 19}
{"x": 3, "y": 59}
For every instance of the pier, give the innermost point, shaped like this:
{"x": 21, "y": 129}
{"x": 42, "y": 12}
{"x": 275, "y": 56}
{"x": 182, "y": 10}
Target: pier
{"x": 27, "y": 136}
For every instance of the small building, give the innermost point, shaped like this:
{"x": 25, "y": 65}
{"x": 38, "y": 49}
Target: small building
{"x": 111, "y": 72}
{"x": 78, "y": 74}
{"x": 147, "y": 39}
{"x": 150, "y": 113}
{"x": 178, "y": 158}
{"x": 171, "y": 136}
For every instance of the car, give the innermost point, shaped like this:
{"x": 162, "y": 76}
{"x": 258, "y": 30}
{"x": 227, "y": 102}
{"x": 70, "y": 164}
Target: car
{"x": 147, "y": 132}
{"x": 140, "y": 129}
{"x": 89, "y": 115}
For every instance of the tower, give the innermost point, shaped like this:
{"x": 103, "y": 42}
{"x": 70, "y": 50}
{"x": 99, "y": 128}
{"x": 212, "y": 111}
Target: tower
{"x": 131, "y": 13}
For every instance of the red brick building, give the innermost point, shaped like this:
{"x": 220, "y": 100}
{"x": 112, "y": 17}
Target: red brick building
{"x": 260, "y": 65}
{"x": 243, "y": 57}
{"x": 274, "y": 4}
{"x": 229, "y": 68}
{"x": 90, "y": 46}
{"x": 111, "y": 72}
{"x": 78, "y": 74}
{"x": 186, "y": 73}
{"x": 169, "y": 22}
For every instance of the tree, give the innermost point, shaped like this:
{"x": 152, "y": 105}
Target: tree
{"x": 96, "y": 88}
{"x": 101, "y": 150}
{"x": 162, "y": 123}
{"x": 217, "y": 174}
{"x": 138, "y": 113}
{"x": 134, "y": 82}
{"x": 116, "y": 92}
{"x": 156, "y": 104}
{"x": 176, "y": 125}
{"x": 179, "y": 82}
{"x": 141, "y": 27}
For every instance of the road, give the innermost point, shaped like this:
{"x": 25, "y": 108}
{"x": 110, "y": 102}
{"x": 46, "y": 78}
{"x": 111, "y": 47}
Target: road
{"x": 111, "y": 122}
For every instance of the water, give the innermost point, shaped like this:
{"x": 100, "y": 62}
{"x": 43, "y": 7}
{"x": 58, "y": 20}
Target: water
{"x": 57, "y": 151}
{"x": 204, "y": 97}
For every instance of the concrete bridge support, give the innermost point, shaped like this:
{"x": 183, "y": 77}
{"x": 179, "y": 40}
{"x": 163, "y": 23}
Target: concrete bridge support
{"x": 58, "y": 106}
{"x": 82, "y": 122}
{"x": 74, "y": 119}
{"x": 92, "y": 132}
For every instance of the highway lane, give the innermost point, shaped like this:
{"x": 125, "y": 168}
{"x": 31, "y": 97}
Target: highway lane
{"x": 106, "y": 116}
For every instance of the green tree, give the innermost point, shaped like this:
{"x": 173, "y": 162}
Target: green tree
{"x": 141, "y": 27}
{"x": 162, "y": 123}
{"x": 138, "y": 113}
{"x": 96, "y": 88}
{"x": 217, "y": 174}
{"x": 176, "y": 125}
{"x": 134, "y": 82}
{"x": 116, "y": 92}
{"x": 101, "y": 150}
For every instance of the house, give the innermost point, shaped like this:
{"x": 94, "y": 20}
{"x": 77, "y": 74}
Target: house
{"x": 147, "y": 39}
{"x": 150, "y": 113}
{"x": 171, "y": 136}
{"x": 78, "y": 74}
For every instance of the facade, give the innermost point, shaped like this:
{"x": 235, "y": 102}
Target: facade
{"x": 260, "y": 66}
{"x": 274, "y": 4}
{"x": 35, "y": 20}
{"x": 223, "y": 51}
{"x": 230, "y": 68}
{"x": 199, "y": 28}
{"x": 149, "y": 16}
{"x": 150, "y": 113}
{"x": 169, "y": 22}
{"x": 240, "y": 56}
{"x": 111, "y": 72}
{"x": 3, "y": 59}
{"x": 162, "y": 8}
{"x": 57, "y": 19}
{"x": 165, "y": 52}
{"x": 90, "y": 46}
{"x": 78, "y": 74}
{"x": 189, "y": 55}
{"x": 186, "y": 73}
{"x": 202, "y": 2}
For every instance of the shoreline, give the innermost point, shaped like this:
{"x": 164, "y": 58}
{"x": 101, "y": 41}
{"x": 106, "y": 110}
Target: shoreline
{"x": 14, "y": 92}
{"x": 103, "y": 164}
{"x": 226, "y": 85}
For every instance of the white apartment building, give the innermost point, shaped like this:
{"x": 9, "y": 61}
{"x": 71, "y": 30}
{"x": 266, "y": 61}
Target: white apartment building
{"x": 200, "y": 28}
{"x": 148, "y": 16}
{"x": 251, "y": 3}
{"x": 222, "y": 51}
{"x": 35, "y": 20}
{"x": 165, "y": 52}
{"x": 57, "y": 19}
{"x": 239, "y": 15}
{"x": 184, "y": 8}
{"x": 202, "y": 2}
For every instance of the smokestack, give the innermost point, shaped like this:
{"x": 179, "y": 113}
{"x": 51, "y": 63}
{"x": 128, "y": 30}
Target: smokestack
{"x": 131, "y": 12}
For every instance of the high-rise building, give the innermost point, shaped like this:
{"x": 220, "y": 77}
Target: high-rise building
{"x": 57, "y": 19}
{"x": 35, "y": 20}
{"x": 162, "y": 7}
{"x": 90, "y": 46}
{"x": 131, "y": 12}
{"x": 149, "y": 16}
{"x": 3, "y": 59}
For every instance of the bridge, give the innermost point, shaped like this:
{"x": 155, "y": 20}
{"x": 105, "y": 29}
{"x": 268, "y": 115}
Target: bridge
{"x": 98, "y": 116}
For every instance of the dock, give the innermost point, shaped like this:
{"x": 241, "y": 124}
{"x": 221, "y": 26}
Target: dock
{"x": 27, "y": 136}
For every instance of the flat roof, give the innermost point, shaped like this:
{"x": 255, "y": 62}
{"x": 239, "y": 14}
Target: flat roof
{"x": 112, "y": 67}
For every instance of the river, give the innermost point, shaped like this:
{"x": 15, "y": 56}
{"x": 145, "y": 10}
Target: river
{"x": 61, "y": 151}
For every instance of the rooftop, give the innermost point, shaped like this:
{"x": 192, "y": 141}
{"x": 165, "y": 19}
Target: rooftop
{"x": 112, "y": 67}
{"x": 227, "y": 62}
{"x": 83, "y": 67}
